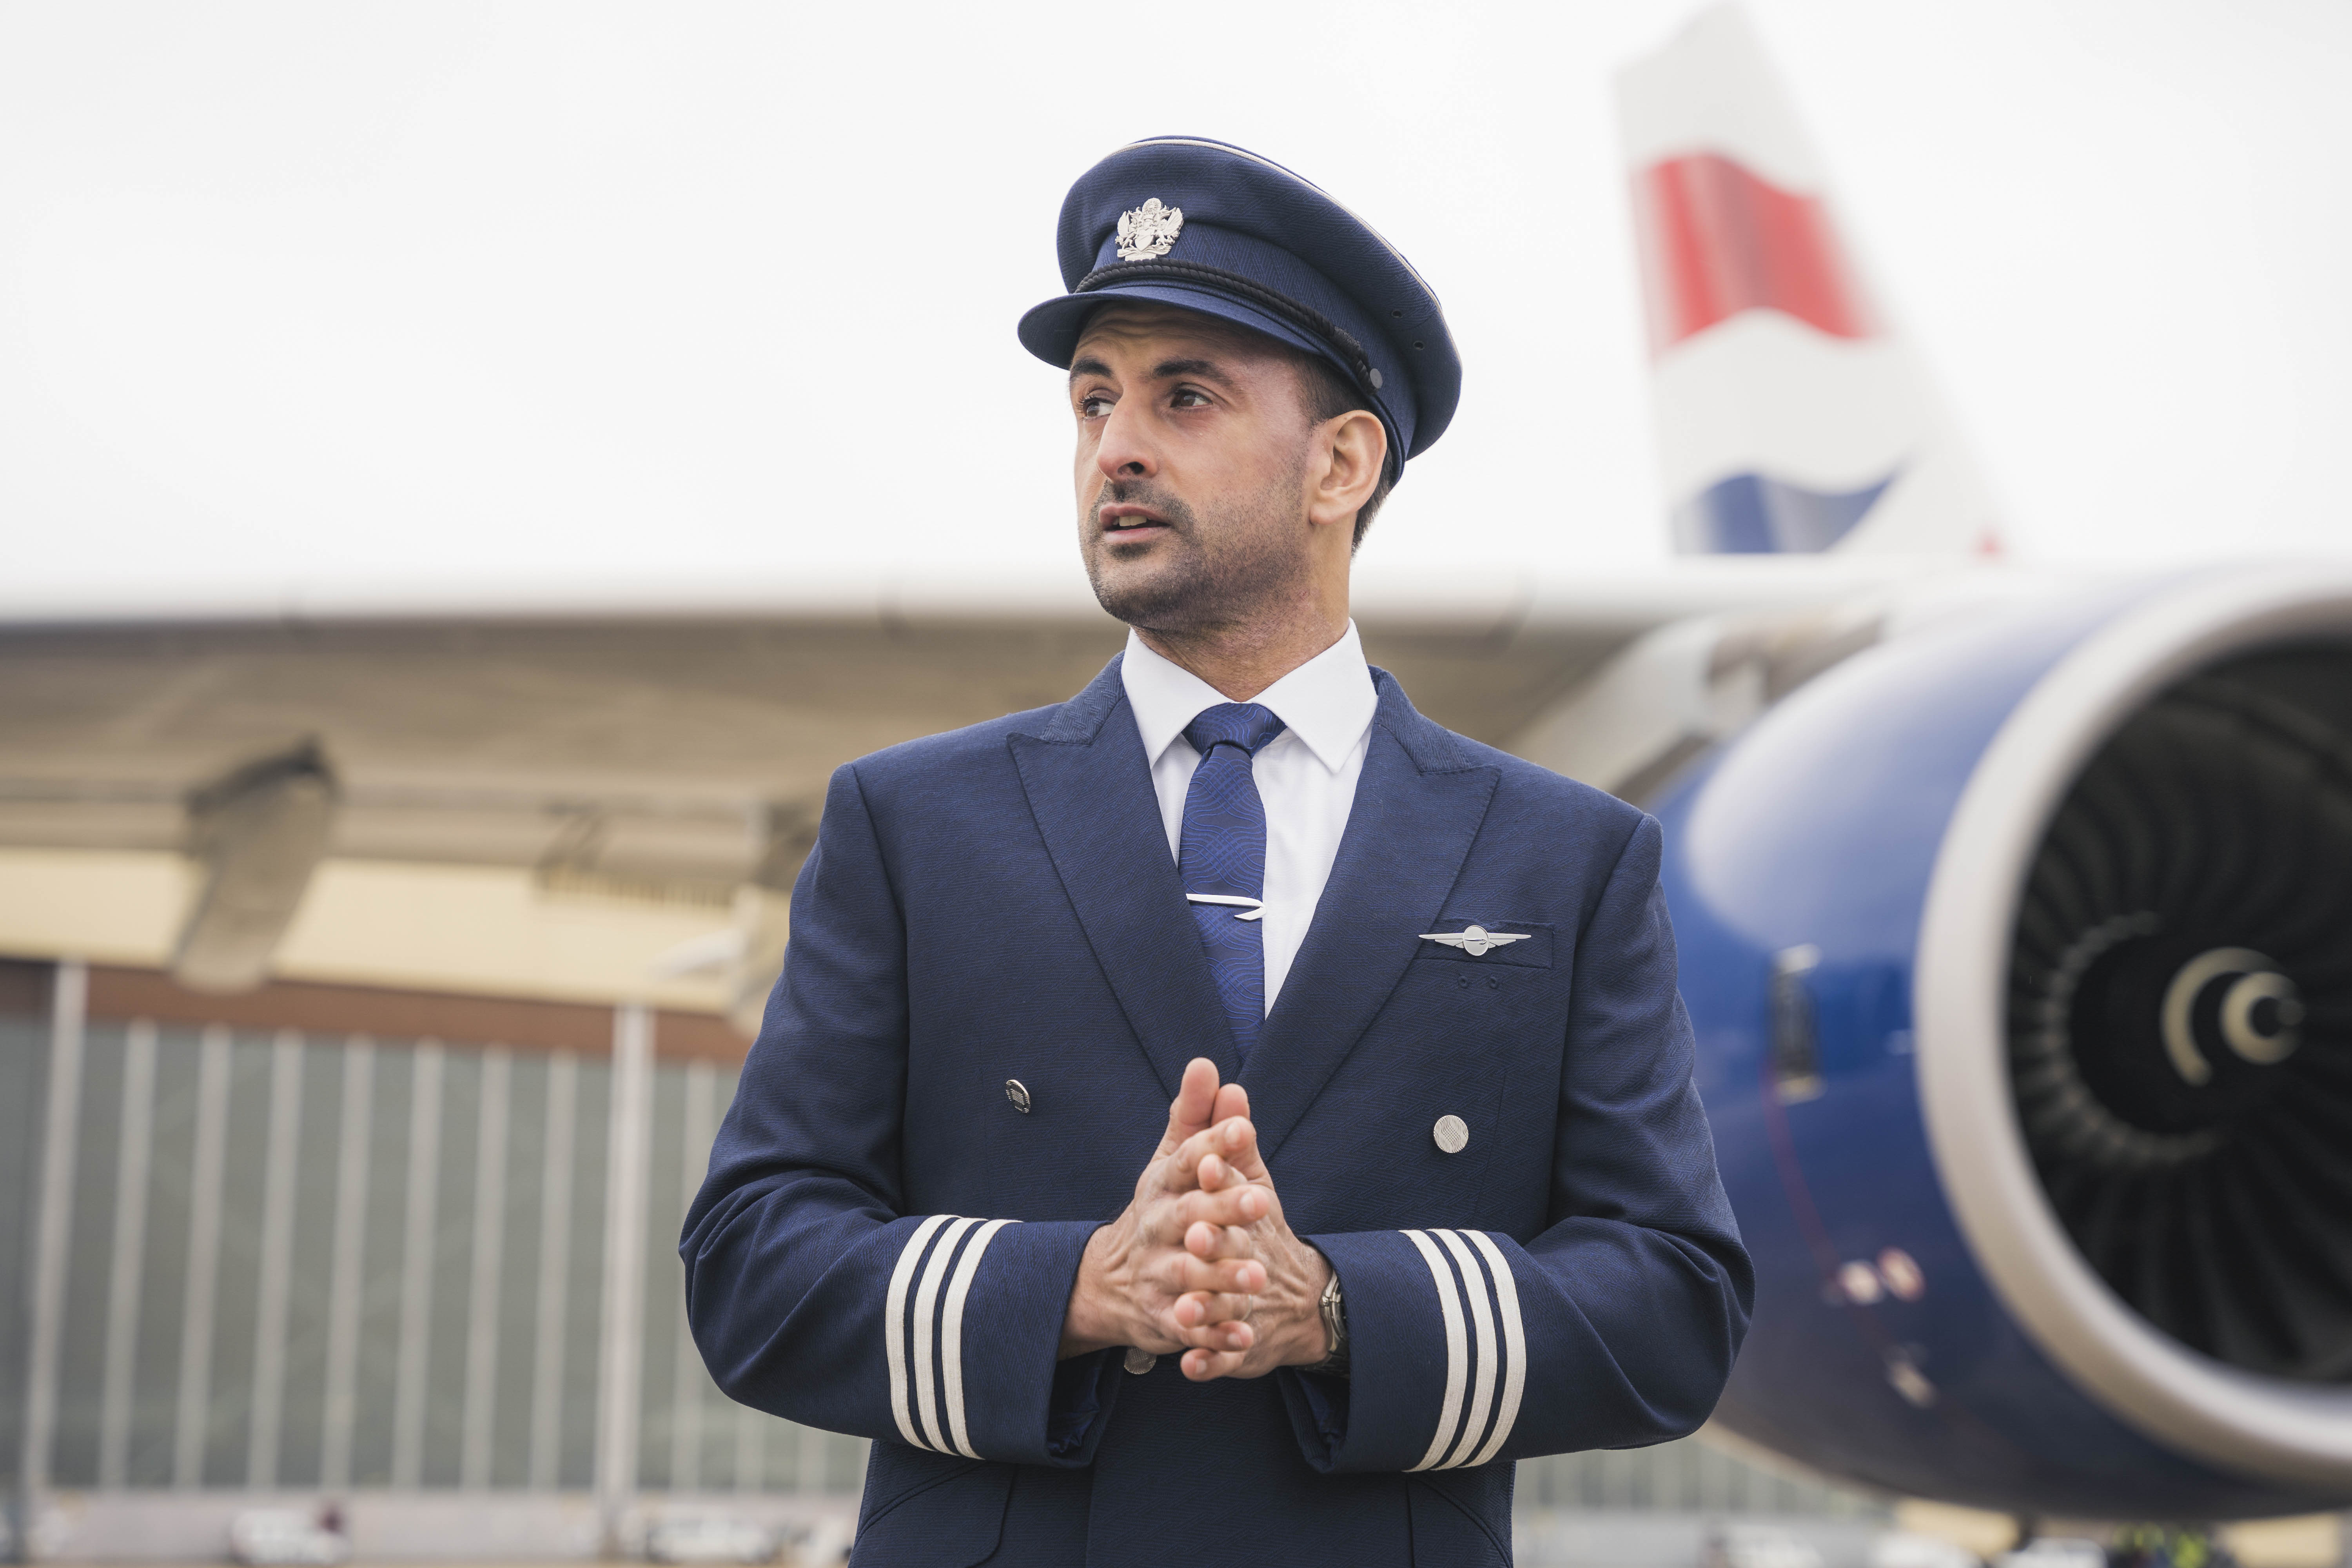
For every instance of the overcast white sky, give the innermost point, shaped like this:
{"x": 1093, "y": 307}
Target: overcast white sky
{"x": 343, "y": 294}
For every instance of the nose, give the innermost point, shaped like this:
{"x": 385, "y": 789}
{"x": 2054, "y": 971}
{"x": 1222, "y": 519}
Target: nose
{"x": 1125, "y": 450}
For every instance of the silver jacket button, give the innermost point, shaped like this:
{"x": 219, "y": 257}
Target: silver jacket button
{"x": 1018, "y": 1093}
{"x": 1452, "y": 1134}
{"x": 1140, "y": 1362}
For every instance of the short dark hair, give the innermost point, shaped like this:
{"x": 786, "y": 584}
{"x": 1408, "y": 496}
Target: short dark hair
{"x": 1330, "y": 394}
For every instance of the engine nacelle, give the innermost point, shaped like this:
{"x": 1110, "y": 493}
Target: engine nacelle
{"x": 2020, "y": 955}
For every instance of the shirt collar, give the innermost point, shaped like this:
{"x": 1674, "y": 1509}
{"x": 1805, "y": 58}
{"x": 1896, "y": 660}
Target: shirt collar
{"x": 1328, "y": 701}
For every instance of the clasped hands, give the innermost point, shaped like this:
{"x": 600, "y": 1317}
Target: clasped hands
{"x": 1201, "y": 1261}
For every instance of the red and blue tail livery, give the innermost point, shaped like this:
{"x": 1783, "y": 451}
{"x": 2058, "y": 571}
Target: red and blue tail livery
{"x": 1792, "y": 417}
{"x": 1719, "y": 239}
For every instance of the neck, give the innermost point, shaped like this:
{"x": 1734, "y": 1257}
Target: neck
{"x": 1242, "y": 657}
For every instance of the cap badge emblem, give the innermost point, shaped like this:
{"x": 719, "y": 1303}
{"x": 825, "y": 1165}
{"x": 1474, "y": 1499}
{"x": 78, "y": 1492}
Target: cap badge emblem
{"x": 1148, "y": 231}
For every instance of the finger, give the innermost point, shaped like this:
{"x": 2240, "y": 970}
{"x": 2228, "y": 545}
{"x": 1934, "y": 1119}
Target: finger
{"x": 1234, "y": 1140}
{"x": 1217, "y": 1176}
{"x": 1232, "y": 1100}
{"x": 1174, "y": 1271}
{"x": 1211, "y": 1177}
{"x": 1235, "y": 1202}
{"x": 1229, "y": 1277}
{"x": 1216, "y": 1243}
{"x": 1181, "y": 1146}
{"x": 1219, "y": 1194}
{"x": 1201, "y": 1366}
{"x": 1226, "y": 1139}
{"x": 1180, "y": 1274}
{"x": 1237, "y": 1207}
{"x": 1231, "y": 1335}
{"x": 1209, "y": 1308}
{"x": 1187, "y": 1155}
{"x": 1196, "y": 1098}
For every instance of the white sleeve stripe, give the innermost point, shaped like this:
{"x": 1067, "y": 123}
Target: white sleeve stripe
{"x": 1449, "y": 1306}
{"x": 1482, "y": 1318}
{"x": 927, "y": 1303}
{"x": 951, "y": 1335}
{"x": 894, "y": 1325}
{"x": 1514, "y": 1343}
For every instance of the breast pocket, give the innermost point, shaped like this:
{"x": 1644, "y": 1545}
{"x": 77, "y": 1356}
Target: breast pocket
{"x": 1488, "y": 941}
{"x": 1485, "y": 1022}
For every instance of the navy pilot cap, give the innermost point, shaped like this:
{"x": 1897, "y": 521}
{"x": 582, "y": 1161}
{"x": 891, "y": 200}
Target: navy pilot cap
{"x": 1185, "y": 221}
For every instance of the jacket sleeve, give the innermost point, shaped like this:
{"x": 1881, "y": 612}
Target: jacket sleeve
{"x": 813, "y": 1293}
{"x": 1615, "y": 1327}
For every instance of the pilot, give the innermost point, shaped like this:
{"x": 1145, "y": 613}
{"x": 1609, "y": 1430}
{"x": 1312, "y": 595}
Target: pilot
{"x": 1225, "y": 1117}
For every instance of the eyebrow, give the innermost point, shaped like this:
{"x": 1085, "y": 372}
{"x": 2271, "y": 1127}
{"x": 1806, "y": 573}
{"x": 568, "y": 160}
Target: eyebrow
{"x": 1207, "y": 370}
{"x": 1166, "y": 370}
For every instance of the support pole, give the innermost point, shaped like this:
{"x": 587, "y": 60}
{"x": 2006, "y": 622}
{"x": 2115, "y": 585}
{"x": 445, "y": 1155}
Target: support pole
{"x": 545, "y": 1460}
{"x": 200, "y": 1297}
{"x": 127, "y": 1269}
{"x": 340, "y": 1413}
{"x": 266, "y": 1423}
{"x": 478, "y": 1421}
{"x": 61, "y": 1118}
{"x": 622, "y": 1330}
{"x": 420, "y": 1234}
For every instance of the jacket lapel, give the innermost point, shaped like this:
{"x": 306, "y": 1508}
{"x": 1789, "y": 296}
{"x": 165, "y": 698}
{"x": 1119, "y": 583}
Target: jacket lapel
{"x": 1418, "y": 806}
{"x": 1089, "y": 787}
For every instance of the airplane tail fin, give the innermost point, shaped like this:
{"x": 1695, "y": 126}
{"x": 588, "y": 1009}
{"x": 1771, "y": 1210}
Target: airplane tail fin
{"x": 1791, "y": 416}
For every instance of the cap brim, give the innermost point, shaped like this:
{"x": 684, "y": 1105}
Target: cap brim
{"x": 1052, "y": 330}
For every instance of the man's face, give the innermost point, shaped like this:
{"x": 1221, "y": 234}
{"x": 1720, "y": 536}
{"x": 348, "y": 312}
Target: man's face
{"x": 1191, "y": 470}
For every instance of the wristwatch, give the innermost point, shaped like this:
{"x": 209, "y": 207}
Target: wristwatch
{"x": 1334, "y": 1330}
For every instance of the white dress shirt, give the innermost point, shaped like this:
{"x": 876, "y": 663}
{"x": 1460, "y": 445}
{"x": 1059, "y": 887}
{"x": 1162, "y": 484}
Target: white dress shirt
{"x": 1305, "y": 776}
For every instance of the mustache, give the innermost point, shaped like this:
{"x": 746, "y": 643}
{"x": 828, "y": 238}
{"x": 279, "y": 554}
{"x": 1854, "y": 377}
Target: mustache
{"x": 1143, "y": 493}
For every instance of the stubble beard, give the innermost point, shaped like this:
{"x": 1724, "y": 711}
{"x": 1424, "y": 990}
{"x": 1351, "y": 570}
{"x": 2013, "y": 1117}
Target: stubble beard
{"x": 1252, "y": 558}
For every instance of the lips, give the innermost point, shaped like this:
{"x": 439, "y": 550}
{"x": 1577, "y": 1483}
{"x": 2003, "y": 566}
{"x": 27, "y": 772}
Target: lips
{"x": 1117, "y": 520}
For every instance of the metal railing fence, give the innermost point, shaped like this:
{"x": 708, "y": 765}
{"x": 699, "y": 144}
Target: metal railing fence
{"x": 268, "y": 1260}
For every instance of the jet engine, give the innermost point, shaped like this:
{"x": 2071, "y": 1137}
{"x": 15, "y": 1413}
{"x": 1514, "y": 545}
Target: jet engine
{"x": 2019, "y": 950}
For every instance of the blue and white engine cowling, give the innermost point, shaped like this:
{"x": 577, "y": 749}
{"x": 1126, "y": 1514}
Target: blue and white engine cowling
{"x": 2020, "y": 954}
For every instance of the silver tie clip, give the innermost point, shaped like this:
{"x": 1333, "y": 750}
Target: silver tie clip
{"x": 1246, "y": 909}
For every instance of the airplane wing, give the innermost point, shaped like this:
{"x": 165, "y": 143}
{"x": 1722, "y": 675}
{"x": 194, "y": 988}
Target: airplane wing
{"x": 671, "y": 747}
{"x": 648, "y": 736}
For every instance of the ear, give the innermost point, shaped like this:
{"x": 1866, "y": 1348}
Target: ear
{"x": 1346, "y": 470}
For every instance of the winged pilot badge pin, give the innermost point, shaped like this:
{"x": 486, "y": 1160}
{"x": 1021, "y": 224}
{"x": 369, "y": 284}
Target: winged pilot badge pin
{"x": 1475, "y": 939}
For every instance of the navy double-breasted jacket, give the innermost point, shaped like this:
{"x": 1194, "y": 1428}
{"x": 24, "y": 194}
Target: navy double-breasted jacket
{"x": 886, "y": 1244}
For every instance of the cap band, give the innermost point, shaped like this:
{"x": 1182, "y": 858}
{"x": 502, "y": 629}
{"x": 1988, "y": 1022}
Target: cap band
{"x": 1351, "y": 354}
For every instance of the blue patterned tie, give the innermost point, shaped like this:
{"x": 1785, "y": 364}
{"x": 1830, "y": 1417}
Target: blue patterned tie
{"x": 1223, "y": 853}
